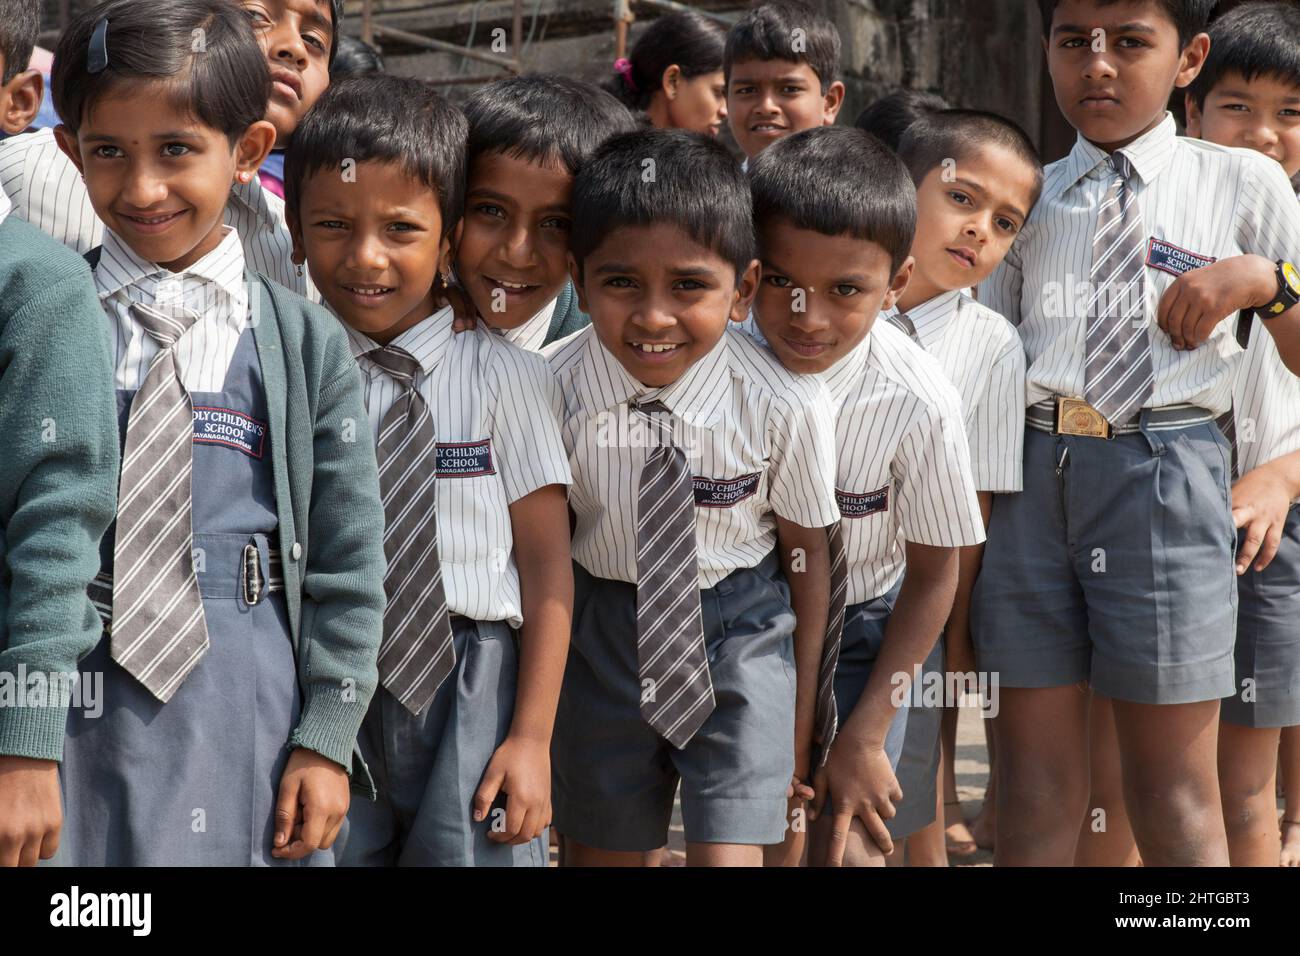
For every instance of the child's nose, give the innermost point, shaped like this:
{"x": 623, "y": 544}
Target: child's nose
{"x": 808, "y": 319}
{"x": 518, "y": 247}
{"x": 286, "y": 43}
{"x": 1099, "y": 66}
{"x": 368, "y": 253}
{"x": 654, "y": 318}
{"x": 144, "y": 189}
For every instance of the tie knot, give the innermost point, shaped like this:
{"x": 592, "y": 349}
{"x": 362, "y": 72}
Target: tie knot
{"x": 164, "y": 326}
{"x": 903, "y": 321}
{"x": 397, "y": 362}
{"x": 1121, "y": 165}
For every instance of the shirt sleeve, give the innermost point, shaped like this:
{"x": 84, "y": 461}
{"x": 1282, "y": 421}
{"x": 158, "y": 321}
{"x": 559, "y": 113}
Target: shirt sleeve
{"x": 997, "y": 425}
{"x": 1001, "y": 291}
{"x": 936, "y": 492}
{"x": 801, "y": 472}
{"x": 1268, "y": 222}
{"x": 525, "y": 428}
{"x": 13, "y": 160}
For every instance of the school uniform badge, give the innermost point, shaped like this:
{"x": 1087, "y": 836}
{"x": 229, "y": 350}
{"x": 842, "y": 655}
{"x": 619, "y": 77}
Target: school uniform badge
{"x": 724, "y": 492}
{"x": 860, "y": 506}
{"x": 465, "y": 459}
{"x": 229, "y": 428}
{"x": 1169, "y": 258}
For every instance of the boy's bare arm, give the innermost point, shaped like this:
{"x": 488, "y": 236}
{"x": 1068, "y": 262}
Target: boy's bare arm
{"x": 521, "y": 766}
{"x": 805, "y": 559}
{"x": 957, "y": 639}
{"x": 1261, "y": 501}
{"x": 857, "y": 773}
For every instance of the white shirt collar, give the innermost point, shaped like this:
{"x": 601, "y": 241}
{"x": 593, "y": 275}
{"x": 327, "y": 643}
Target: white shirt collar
{"x": 931, "y": 317}
{"x": 1150, "y": 153}
{"x": 223, "y": 269}
{"x": 693, "y": 398}
{"x": 426, "y": 341}
{"x": 531, "y": 336}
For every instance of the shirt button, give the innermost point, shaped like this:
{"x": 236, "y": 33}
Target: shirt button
{"x": 296, "y": 551}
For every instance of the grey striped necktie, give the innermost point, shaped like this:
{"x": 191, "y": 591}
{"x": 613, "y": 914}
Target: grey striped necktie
{"x": 1118, "y": 371}
{"x": 827, "y": 715}
{"x": 158, "y": 632}
{"x": 672, "y": 662}
{"x": 416, "y": 653}
{"x": 904, "y": 322}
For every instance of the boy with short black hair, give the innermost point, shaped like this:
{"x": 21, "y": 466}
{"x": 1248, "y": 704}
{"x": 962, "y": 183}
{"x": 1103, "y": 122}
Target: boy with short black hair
{"x": 528, "y": 137}
{"x": 20, "y": 88}
{"x": 888, "y": 118}
{"x": 298, "y": 38}
{"x": 781, "y": 64}
{"x": 1141, "y": 245}
{"x": 472, "y": 474}
{"x": 836, "y": 215}
{"x": 696, "y": 459}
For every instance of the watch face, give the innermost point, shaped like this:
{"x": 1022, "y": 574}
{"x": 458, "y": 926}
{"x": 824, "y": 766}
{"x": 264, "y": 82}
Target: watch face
{"x": 1292, "y": 277}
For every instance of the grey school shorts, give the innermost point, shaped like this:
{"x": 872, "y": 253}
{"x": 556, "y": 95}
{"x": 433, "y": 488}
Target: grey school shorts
{"x": 427, "y": 766}
{"x": 1117, "y": 568}
{"x": 912, "y": 742}
{"x": 1268, "y": 640}
{"x": 614, "y": 777}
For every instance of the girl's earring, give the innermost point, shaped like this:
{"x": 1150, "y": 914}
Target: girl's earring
{"x": 300, "y": 270}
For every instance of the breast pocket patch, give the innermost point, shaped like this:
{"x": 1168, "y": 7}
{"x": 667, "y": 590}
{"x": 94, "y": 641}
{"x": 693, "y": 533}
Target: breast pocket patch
{"x": 465, "y": 459}
{"x": 724, "y": 492}
{"x": 230, "y": 429}
{"x": 860, "y": 506}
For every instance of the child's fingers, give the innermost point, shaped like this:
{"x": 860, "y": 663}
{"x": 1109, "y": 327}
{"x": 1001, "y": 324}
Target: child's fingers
{"x": 896, "y": 791}
{"x": 819, "y": 793}
{"x": 839, "y": 837}
{"x": 486, "y": 793}
{"x": 50, "y": 845}
{"x": 877, "y": 830}
{"x": 532, "y": 826}
{"x": 1251, "y": 542}
{"x": 1272, "y": 541}
{"x": 313, "y": 829}
{"x": 286, "y": 808}
{"x": 332, "y": 831}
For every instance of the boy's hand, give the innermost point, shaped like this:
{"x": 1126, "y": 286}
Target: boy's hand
{"x": 312, "y": 804}
{"x": 1199, "y": 300}
{"x": 521, "y": 768}
{"x": 31, "y": 813}
{"x": 862, "y": 784}
{"x": 1261, "y": 501}
{"x": 466, "y": 316}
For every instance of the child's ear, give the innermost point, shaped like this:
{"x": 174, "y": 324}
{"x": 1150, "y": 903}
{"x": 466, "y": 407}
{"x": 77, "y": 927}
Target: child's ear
{"x": 1193, "y": 116}
{"x": 1193, "y": 59}
{"x": 22, "y": 101}
{"x": 71, "y": 148}
{"x": 899, "y": 284}
{"x": 252, "y": 149}
{"x": 670, "y": 78}
{"x": 575, "y": 274}
{"x": 834, "y": 100}
{"x": 746, "y": 289}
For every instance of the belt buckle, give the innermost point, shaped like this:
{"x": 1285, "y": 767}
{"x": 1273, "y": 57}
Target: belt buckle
{"x": 253, "y": 584}
{"x": 1074, "y": 416}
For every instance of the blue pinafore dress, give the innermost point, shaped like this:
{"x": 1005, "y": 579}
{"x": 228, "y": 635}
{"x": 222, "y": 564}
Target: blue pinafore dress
{"x": 193, "y": 782}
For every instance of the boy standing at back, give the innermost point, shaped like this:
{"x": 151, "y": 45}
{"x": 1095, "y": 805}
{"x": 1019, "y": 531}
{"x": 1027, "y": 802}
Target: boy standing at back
{"x": 528, "y": 137}
{"x": 781, "y": 62}
{"x": 1142, "y": 244}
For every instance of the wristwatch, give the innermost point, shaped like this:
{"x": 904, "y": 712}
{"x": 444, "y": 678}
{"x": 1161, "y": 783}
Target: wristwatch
{"x": 1288, "y": 291}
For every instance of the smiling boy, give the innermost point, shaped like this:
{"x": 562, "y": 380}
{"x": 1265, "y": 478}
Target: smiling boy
{"x": 780, "y": 63}
{"x": 1124, "y": 522}
{"x": 686, "y": 664}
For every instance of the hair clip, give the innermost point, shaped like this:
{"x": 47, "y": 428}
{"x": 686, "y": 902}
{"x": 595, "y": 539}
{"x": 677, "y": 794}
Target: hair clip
{"x": 624, "y": 66}
{"x": 97, "y": 54}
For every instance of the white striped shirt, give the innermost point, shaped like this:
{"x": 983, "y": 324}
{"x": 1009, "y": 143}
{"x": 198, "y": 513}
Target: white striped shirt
{"x": 1203, "y": 199}
{"x": 498, "y": 403}
{"x": 5, "y": 207}
{"x": 1266, "y": 404}
{"x": 214, "y": 287}
{"x": 760, "y": 442}
{"x": 983, "y": 358}
{"x": 531, "y": 336}
{"x": 47, "y": 191}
